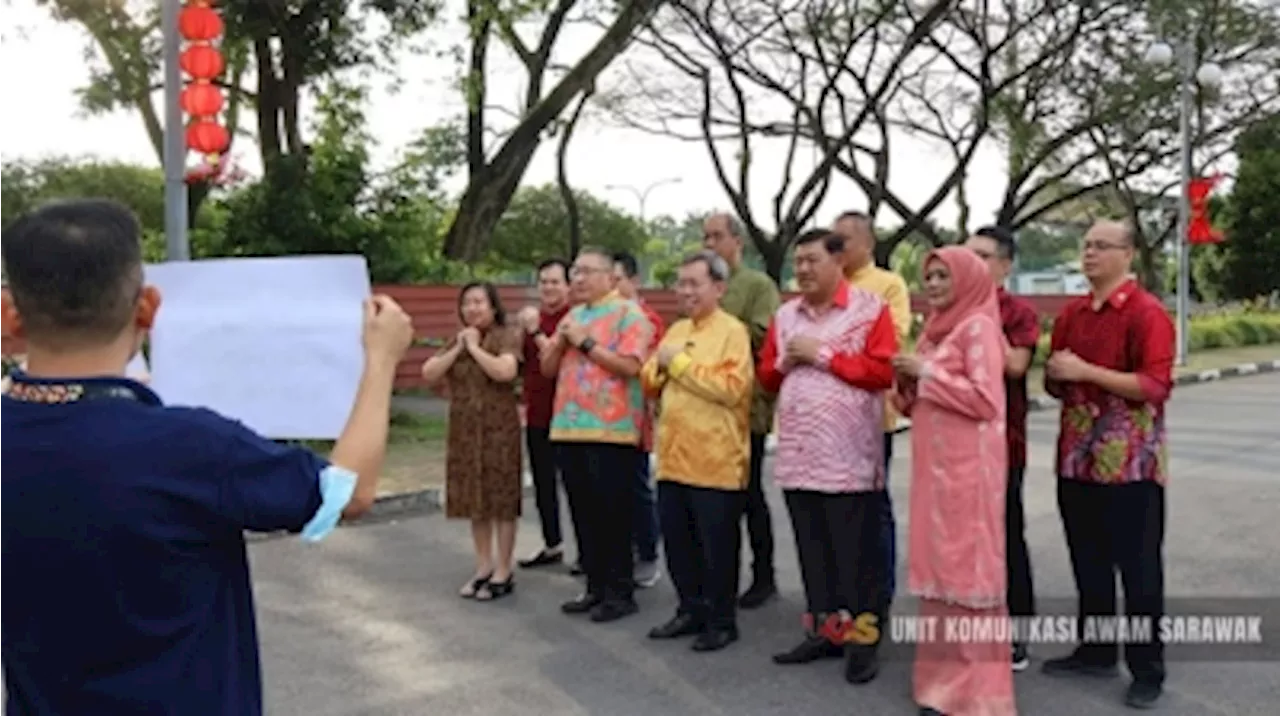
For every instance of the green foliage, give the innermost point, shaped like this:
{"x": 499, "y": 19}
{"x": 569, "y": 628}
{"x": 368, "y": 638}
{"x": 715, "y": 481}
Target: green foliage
{"x": 1226, "y": 329}
{"x": 535, "y": 227}
{"x": 28, "y": 184}
{"x": 1252, "y": 264}
{"x": 326, "y": 201}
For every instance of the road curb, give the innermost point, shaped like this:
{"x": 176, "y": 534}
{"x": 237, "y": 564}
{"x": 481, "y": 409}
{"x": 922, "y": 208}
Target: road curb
{"x": 432, "y": 499}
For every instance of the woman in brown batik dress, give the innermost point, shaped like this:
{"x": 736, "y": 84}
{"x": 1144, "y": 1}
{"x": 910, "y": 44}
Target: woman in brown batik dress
{"x": 483, "y": 464}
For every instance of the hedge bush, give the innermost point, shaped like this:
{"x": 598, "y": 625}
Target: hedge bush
{"x": 1224, "y": 330}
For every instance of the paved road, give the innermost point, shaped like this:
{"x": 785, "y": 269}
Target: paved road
{"x": 368, "y": 622}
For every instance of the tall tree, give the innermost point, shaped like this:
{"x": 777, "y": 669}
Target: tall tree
{"x": 536, "y": 225}
{"x": 1252, "y": 266}
{"x": 493, "y": 174}
{"x": 733, "y": 75}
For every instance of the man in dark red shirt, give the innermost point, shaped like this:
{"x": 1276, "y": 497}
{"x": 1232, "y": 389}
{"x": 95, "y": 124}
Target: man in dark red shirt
{"x": 1111, "y": 365}
{"x": 645, "y": 532}
{"x": 539, "y": 399}
{"x": 996, "y": 245}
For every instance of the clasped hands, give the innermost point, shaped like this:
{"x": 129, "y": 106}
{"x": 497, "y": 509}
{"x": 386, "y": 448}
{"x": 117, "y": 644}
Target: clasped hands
{"x": 1067, "y": 367}
{"x": 801, "y": 350}
{"x": 469, "y": 338}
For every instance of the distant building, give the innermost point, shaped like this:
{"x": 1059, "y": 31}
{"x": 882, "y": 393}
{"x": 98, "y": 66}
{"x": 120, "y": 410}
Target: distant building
{"x": 1059, "y": 280}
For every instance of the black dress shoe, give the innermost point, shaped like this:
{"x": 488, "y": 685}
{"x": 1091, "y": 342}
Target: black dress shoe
{"x": 611, "y": 610}
{"x": 715, "y": 639}
{"x": 757, "y": 594}
{"x": 580, "y": 605}
{"x": 1143, "y": 695}
{"x": 1074, "y": 665}
{"x": 811, "y": 649}
{"x": 860, "y": 666}
{"x": 543, "y": 558}
{"x": 680, "y": 625}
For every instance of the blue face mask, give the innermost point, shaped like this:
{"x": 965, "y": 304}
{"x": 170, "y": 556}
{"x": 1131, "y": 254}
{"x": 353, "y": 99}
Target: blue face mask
{"x": 337, "y": 485}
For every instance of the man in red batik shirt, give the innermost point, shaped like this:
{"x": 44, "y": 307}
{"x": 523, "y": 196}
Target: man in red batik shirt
{"x": 539, "y": 324}
{"x": 645, "y": 531}
{"x": 1111, "y": 365}
{"x": 998, "y": 248}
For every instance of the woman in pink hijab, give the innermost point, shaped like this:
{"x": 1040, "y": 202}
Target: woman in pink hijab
{"x": 953, "y": 389}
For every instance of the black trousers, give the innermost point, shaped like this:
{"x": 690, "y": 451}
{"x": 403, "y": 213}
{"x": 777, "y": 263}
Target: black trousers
{"x": 888, "y": 529}
{"x": 700, "y": 530}
{"x": 1021, "y": 593}
{"x": 838, "y": 537}
{"x": 1112, "y": 528}
{"x": 759, "y": 524}
{"x": 542, "y": 463}
{"x": 599, "y": 479}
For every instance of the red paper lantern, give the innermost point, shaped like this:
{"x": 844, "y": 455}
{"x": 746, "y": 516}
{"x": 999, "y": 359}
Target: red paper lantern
{"x": 201, "y": 99}
{"x": 1200, "y": 230}
{"x": 207, "y": 137}
{"x": 202, "y": 62}
{"x": 199, "y": 23}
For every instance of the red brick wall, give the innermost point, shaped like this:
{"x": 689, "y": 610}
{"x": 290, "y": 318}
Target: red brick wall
{"x": 435, "y": 316}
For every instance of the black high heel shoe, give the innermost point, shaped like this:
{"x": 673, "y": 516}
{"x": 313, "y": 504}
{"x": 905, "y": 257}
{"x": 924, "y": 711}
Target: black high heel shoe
{"x": 492, "y": 590}
{"x": 474, "y": 587}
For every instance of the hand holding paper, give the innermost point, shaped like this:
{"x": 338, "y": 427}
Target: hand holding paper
{"x": 388, "y": 330}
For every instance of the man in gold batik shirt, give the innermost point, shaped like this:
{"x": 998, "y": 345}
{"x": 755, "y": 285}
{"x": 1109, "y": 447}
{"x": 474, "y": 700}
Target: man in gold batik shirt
{"x": 702, "y": 374}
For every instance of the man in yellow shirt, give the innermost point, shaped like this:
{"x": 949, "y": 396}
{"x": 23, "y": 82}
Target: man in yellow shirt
{"x": 860, "y": 268}
{"x": 702, "y": 373}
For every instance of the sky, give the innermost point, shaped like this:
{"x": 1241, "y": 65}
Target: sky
{"x": 44, "y": 62}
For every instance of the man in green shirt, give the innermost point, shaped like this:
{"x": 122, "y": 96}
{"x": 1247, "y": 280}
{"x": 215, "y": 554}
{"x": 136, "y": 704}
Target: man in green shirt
{"x": 753, "y": 298}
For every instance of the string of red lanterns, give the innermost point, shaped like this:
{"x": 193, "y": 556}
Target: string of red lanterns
{"x": 1200, "y": 230}
{"x": 200, "y": 25}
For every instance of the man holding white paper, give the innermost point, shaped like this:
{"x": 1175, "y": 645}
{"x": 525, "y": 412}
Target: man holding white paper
{"x": 123, "y": 519}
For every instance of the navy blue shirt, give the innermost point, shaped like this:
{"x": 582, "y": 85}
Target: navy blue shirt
{"x": 126, "y": 580}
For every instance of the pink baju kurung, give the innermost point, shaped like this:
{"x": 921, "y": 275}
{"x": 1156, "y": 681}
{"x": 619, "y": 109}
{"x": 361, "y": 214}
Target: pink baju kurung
{"x": 956, "y": 541}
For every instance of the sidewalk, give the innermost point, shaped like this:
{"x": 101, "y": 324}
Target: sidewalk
{"x": 414, "y": 477}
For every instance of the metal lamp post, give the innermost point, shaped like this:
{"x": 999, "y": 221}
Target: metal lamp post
{"x": 177, "y": 247}
{"x": 643, "y": 195}
{"x": 1208, "y": 74}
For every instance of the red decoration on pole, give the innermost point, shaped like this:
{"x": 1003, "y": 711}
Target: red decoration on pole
{"x": 202, "y": 62}
{"x": 201, "y": 99}
{"x": 1200, "y": 230}
{"x": 207, "y": 136}
{"x": 199, "y": 22}
{"x": 200, "y": 25}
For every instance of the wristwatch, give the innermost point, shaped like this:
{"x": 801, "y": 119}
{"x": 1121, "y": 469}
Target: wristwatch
{"x": 586, "y": 345}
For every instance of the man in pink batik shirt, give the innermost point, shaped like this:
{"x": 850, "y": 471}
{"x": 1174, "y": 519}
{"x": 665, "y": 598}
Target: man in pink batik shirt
{"x": 828, "y": 357}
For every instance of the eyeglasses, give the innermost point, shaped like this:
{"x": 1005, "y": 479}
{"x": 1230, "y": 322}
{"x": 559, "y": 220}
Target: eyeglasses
{"x": 587, "y": 270}
{"x": 1102, "y": 246}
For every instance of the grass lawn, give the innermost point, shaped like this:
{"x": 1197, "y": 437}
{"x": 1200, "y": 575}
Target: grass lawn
{"x": 415, "y": 453}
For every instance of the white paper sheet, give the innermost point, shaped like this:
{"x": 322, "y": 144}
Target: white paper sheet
{"x": 272, "y": 342}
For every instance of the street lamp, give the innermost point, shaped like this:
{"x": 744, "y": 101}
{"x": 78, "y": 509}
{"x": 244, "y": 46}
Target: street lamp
{"x": 643, "y": 195}
{"x": 177, "y": 245}
{"x": 1208, "y": 74}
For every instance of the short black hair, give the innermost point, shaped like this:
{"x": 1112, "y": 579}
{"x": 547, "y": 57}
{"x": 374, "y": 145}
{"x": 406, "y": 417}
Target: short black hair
{"x": 491, "y": 292}
{"x": 75, "y": 270}
{"x": 833, "y": 243}
{"x": 555, "y": 261}
{"x": 863, "y": 217}
{"x": 1005, "y": 242}
{"x": 628, "y": 262}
